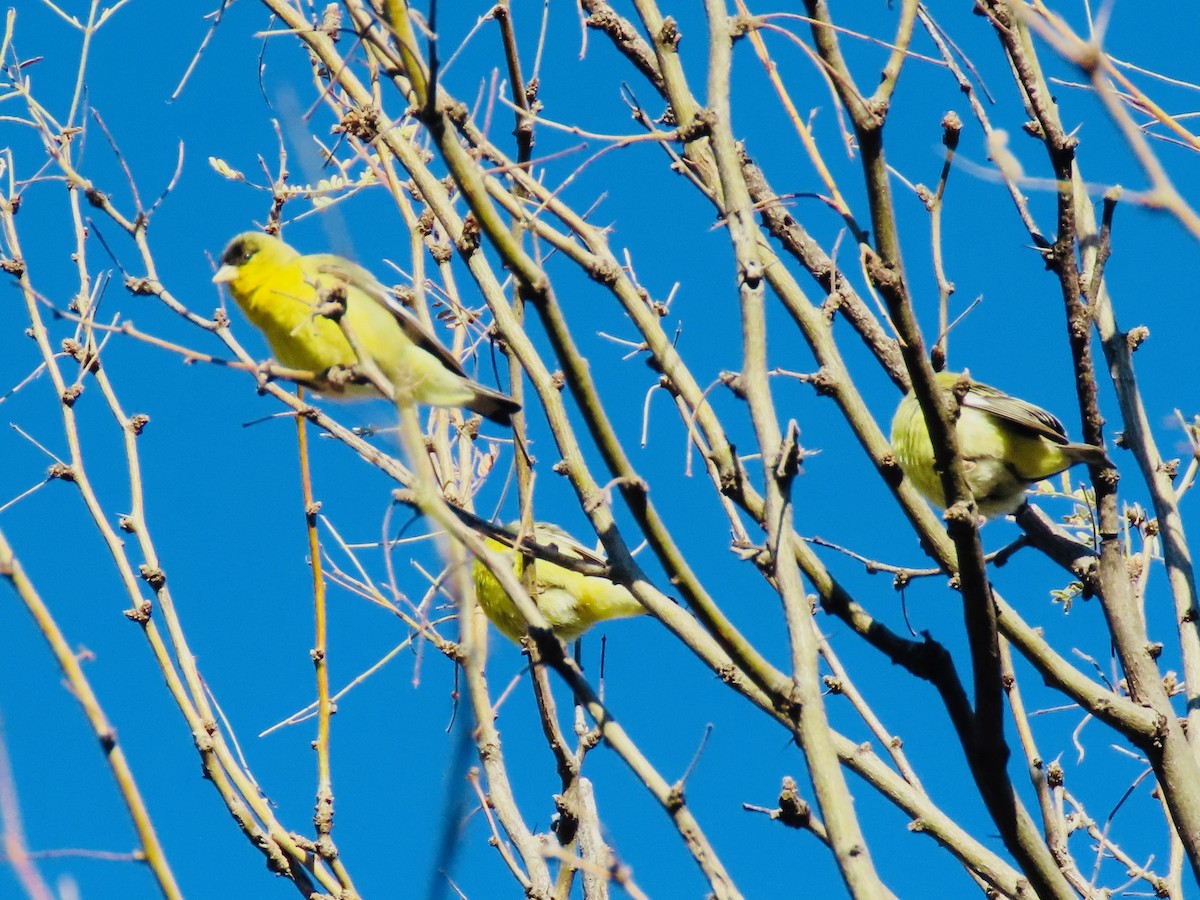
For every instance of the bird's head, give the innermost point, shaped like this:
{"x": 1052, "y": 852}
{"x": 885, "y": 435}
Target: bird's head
{"x": 250, "y": 249}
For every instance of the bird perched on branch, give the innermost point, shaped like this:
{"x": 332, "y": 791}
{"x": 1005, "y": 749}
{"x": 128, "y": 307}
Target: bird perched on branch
{"x": 1006, "y": 445}
{"x": 570, "y": 601}
{"x": 281, "y": 291}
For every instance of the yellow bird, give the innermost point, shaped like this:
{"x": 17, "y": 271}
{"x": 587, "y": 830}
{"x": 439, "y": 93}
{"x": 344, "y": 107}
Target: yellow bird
{"x": 279, "y": 291}
{"x": 1006, "y": 445}
{"x": 571, "y": 601}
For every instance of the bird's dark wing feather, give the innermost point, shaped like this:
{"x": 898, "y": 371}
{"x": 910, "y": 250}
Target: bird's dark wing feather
{"x": 356, "y": 276}
{"x": 1024, "y": 415}
{"x": 553, "y": 538}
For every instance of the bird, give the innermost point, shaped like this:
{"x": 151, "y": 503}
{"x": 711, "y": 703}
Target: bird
{"x": 570, "y": 601}
{"x": 280, "y": 291}
{"x": 1006, "y": 445}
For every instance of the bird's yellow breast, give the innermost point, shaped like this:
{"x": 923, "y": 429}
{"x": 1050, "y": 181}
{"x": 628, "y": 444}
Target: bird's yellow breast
{"x": 280, "y": 299}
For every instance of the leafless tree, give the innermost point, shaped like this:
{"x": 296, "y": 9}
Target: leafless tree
{"x": 493, "y": 195}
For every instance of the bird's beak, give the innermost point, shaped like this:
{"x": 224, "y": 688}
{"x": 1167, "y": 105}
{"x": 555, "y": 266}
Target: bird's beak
{"x": 225, "y": 274}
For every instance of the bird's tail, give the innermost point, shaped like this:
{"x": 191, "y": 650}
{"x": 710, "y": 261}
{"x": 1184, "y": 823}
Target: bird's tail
{"x": 1086, "y": 453}
{"x": 493, "y": 405}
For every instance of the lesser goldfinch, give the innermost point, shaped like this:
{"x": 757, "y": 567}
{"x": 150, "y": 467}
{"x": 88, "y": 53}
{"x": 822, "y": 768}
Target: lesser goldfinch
{"x": 571, "y": 601}
{"x": 1006, "y": 445}
{"x": 279, "y": 291}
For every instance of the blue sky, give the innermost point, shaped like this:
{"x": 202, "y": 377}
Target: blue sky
{"x": 222, "y": 487}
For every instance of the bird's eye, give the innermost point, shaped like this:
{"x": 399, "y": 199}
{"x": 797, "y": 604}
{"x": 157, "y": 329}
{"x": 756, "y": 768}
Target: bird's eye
{"x": 238, "y": 255}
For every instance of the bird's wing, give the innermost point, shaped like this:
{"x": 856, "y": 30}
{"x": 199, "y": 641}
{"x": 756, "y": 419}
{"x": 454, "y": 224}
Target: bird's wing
{"x": 552, "y": 538}
{"x": 1021, "y": 413}
{"x": 555, "y": 538}
{"x": 356, "y": 276}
